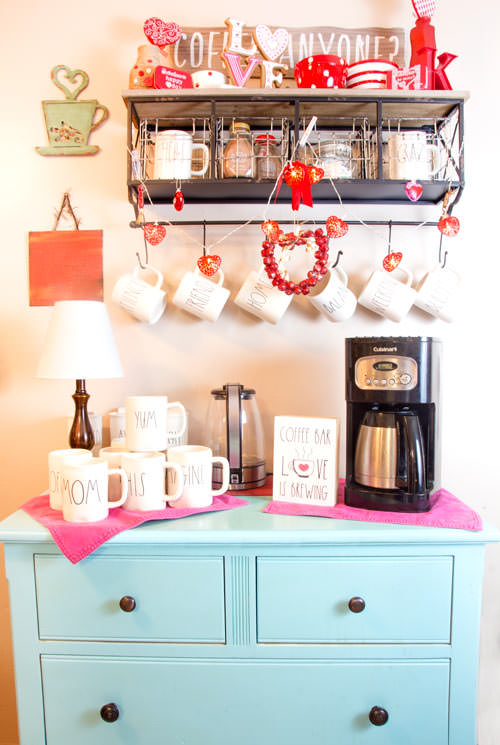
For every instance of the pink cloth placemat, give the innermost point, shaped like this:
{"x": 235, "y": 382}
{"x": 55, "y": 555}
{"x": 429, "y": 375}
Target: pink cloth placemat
{"x": 447, "y": 511}
{"x": 78, "y": 540}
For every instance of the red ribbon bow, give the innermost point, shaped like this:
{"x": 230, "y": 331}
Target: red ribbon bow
{"x": 296, "y": 175}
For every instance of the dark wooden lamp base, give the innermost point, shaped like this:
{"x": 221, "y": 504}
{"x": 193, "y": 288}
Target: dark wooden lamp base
{"x": 81, "y": 434}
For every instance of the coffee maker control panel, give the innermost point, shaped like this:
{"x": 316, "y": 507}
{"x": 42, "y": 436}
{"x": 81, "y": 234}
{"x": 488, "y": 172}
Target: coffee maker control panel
{"x": 389, "y": 372}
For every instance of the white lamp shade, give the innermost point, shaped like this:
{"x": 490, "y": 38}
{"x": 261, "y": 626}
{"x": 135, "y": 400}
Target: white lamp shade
{"x": 79, "y": 343}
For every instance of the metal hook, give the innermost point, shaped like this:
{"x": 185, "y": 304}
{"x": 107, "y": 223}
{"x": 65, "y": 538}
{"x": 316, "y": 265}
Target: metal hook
{"x": 390, "y": 237}
{"x": 339, "y": 254}
{"x": 204, "y": 237}
{"x": 442, "y": 261}
{"x": 146, "y": 254}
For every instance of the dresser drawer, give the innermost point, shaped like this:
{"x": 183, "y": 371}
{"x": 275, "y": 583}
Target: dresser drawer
{"x": 307, "y": 600}
{"x": 177, "y": 599}
{"x": 223, "y": 702}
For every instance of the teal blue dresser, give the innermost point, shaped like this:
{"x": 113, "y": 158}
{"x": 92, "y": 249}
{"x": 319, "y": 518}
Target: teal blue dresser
{"x": 242, "y": 628}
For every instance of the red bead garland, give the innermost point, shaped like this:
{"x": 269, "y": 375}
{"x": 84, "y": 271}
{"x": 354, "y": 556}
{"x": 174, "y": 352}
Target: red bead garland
{"x": 289, "y": 241}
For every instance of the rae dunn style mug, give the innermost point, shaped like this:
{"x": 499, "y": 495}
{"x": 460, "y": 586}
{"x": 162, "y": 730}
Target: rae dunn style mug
{"x": 201, "y": 296}
{"x": 143, "y": 300}
{"x": 258, "y": 296}
{"x": 57, "y": 459}
{"x": 385, "y": 295}
{"x": 436, "y": 293}
{"x": 85, "y": 490}
{"x": 412, "y": 157}
{"x": 196, "y": 462}
{"x": 146, "y": 480}
{"x": 113, "y": 456}
{"x": 146, "y": 422}
{"x": 174, "y": 153}
{"x": 332, "y": 297}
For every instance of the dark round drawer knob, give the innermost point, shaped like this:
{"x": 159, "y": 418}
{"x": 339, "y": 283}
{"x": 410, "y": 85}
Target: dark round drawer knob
{"x": 378, "y": 716}
{"x": 356, "y": 605}
{"x": 109, "y": 712}
{"x": 127, "y": 603}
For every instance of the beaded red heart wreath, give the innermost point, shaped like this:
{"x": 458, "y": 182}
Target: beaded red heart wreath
{"x": 316, "y": 241}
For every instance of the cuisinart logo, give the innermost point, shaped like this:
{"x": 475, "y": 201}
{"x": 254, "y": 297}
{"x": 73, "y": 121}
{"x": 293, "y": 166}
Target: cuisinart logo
{"x": 385, "y": 349}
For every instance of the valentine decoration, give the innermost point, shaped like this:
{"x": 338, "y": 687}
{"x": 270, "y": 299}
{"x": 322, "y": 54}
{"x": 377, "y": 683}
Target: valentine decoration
{"x": 336, "y": 227}
{"x": 315, "y": 241}
{"x": 296, "y": 175}
{"x": 271, "y": 44}
{"x": 70, "y": 122}
{"x": 154, "y": 233}
{"x": 392, "y": 261}
{"x": 209, "y": 265}
{"x": 142, "y": 73}
{"x": 321, "y": 71}
{"x": 65, "y": 264}
{"x": 304, "y": 473}
{"x": 413, "y": 190}
{"x": 408, "y": 78}
{"x": 240, "y": 62}
{"x": 315, "y": 174}
{"x": 423, "y": 47}
{"x": 162, "y": 35}
{"x": 167, "y": 77}
{"x": 449, "y": 225}
{"x": 271, "y": 229}
{"x": 232, "y": 61}
{"x": 178, "y": 200}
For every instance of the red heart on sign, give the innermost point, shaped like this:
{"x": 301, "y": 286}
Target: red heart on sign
{"x": 392, "y": 260}
{"x": 161, "y": 34}
{"x": 424, "y": 8}
{"x": 303, "y": 466}
{"x": 209, "y": 265}
{"x": 449, "y": 225}
{"x": 154, "y": 233}
{"x": 336, "y": 227}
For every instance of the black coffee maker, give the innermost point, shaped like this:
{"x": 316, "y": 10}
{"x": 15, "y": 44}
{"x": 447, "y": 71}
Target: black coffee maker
{"x": 392, "y": 447}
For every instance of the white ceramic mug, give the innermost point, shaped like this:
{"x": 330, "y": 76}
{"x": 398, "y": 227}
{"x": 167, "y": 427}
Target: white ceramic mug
{"x": 117, "y": 424}
{"x": 411, "y": 156}
{"x": 436, "y": 293}
{"x": 258, "y": 296}
{"x": 174, "y": 153}
{"x": 201, "y": 296}
{"x": 85, "y": 490}
{"x": 387, "y": 296}
{"x": 57, "y": 459}
{"x": 196, "y": 462}
{"x": 143, "y": 300}
{"x": 208, "y": 79}
{"x": 146, "y": 480}
{"x": 332, "y": 297}
{"x": 147, "y": 426}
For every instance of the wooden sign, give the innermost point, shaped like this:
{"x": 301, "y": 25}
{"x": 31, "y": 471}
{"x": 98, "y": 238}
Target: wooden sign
{"x": 306, "y": 460}
{"x": 199, "y": 48}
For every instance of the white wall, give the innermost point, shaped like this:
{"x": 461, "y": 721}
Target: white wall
{"x": 296, "y": 367}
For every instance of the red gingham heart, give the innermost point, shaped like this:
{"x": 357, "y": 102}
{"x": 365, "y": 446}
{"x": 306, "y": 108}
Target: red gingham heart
{"x": 424, "y": 8}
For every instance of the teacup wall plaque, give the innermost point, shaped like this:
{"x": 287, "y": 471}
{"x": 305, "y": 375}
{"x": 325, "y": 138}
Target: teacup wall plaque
{"x": 70, "y": 122}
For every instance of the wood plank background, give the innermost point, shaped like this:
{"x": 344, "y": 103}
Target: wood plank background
{"x": 199, "y": 48}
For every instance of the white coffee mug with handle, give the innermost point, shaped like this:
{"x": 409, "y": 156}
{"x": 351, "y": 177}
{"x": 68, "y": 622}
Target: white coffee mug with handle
{"x": 146, "y": 480}
{"x": 57, "y": 458}
{"x": 146, "y": 422}
{"x": 85, "y": 490}
{"x": 332, "y": 297}
{"x": 201, "y": 296}
{"x": 387, "y": 296}
{"x": 196, "y": 462}
{"x": 436, "y": 293}
{"x": 258, "y": 296}
{"x": 143, "y": 300}
{"x": 174, "y": 154}
{"x": 411, "y": 156}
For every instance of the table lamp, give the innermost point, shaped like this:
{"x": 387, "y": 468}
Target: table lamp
{"x": 80, "y": 345}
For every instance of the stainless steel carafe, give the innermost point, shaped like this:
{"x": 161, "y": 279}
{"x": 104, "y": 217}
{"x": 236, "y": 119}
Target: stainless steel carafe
{"x": 234, "y": 430}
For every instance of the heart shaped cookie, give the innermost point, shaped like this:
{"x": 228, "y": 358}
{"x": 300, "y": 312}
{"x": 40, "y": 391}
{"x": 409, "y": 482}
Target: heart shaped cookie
{"x": 271, "y": 44}
{"x": 161, "y": 34}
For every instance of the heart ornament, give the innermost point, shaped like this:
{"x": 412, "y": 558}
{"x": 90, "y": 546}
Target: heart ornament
{"x": 424, "y": 8}
{"x": 336, "y": 227}
{"x": 161, "y": 34}
{"x": 392, "y": 261}
{"x": 154, "y": 233}
{"x": 272, "y": 45}
{"x": 70, "y": 77}
{"x": 413, "y": 190}
{"x": 209, "y": 265}
{"x": 449, "y": 225}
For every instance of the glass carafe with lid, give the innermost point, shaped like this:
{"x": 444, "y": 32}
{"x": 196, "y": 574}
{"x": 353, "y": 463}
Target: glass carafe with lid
{"x": 234, "y": 431}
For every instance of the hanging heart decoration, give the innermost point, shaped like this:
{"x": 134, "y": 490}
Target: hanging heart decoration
{"x": 413, "y": 190}
{"x": 336, "y": 227}
{"x": 154, "y": 233}
{"x": 424, "y": 8}
{"x": 316, "y": 242}
{"x": 271, "y": 229}
{"x": 295, "y": 174}
{"x": 209, "y": 265}
{"x": 449, "y": 225}
{"x": 392, "y": 261}
{"x": 315, "y": 174}
{"x": 161, "y": 34}
{"x": 178, "y": 200}
{"x": 272, "y": 45}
